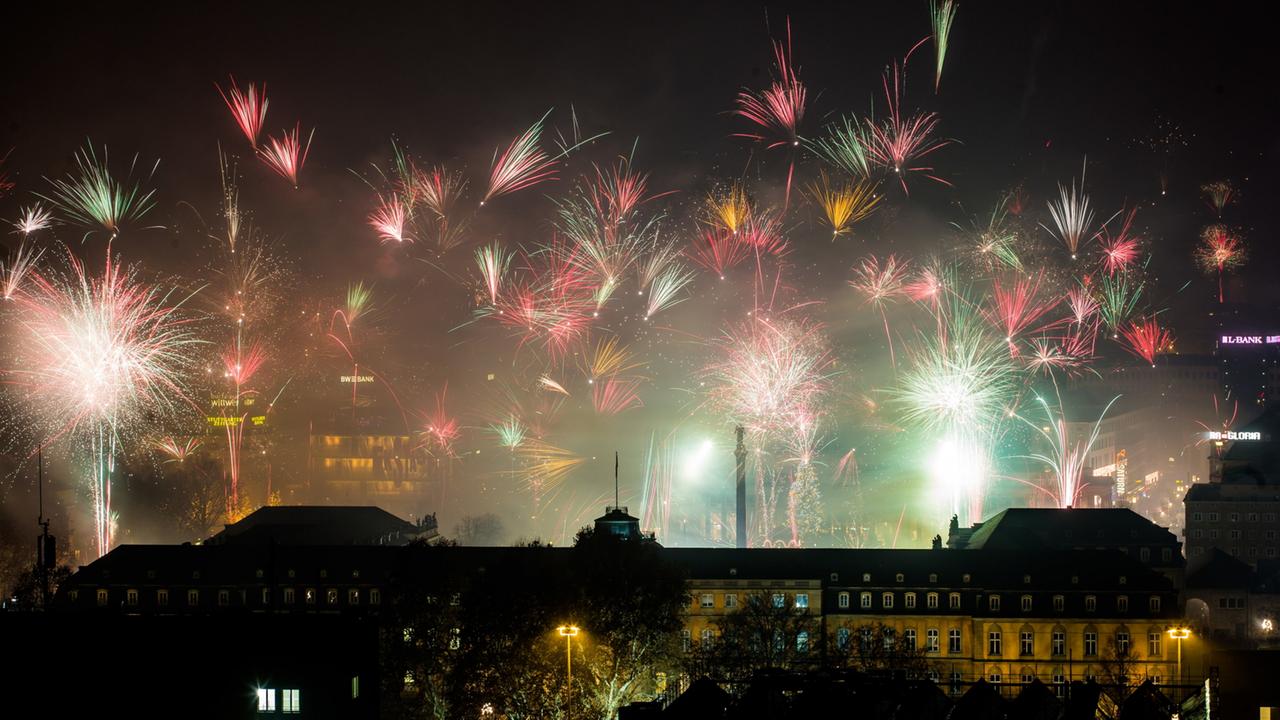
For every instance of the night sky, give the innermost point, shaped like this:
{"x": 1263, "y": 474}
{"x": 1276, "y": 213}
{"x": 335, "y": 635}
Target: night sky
{"x": 1030, "y": 91}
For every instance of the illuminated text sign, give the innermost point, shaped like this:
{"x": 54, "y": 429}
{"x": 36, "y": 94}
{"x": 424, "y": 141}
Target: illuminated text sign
{"x": 1234, "y": 435}
{"x": 356, "y": 379}
{"x": 1250, "y": 339}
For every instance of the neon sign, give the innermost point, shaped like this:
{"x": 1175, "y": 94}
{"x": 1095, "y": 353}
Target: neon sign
{"x": 1250, "y": 340}
{"x": 1230, "y": 435}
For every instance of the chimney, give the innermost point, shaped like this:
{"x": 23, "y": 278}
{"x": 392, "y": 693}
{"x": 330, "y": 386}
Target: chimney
{"x": 740, "y": 452}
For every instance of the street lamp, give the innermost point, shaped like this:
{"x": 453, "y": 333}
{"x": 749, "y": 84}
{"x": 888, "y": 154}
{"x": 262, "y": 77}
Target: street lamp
{"x": 1180, "y": 634}
{"x": 568, "y": 632}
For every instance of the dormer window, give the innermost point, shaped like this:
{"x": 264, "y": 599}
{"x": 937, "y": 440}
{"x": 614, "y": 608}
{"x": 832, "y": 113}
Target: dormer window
{"x": 1026, "y": 579}
{"x": 900, "y": 577}
{"x": 933, "y": 577}
{"x": 965, "y": 577}
{"x": 866, "y": 577}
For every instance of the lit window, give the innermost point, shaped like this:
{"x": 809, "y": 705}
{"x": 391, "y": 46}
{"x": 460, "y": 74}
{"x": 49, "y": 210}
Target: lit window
{"x": 708, "y": 636}
{"x": 909, "y": 639}
{"x": 865, "y": 600}
{"x": 131, "y": 597}
{"x": 1122, "y": 643}
{"x": 953, "y": 601}
{"x": 994, "y": 678}
{"x": 1153, "y": 644}
{"x": 886, "y": 600}
{"x": 842, "y": 638}
{"x": 266, "y": 700}
{"x": 455, "y": 638}
{"x": 686, "y": 640}
{"x": 802, "y": 642}
{"x": 993, "y": 642}
{"x": 910, "y": 601}
{"x": 708, "y": 600}
{"x": 1025, "y": 601}
{"x": 1026, "y": 643}
{"x": 993, "y": 603}
{"x": 730, "y": 601}
{"x": 289, "y": 701}
{"x": 289, "y": 596}
{"x": 1122, "y": 603}
{"x": 931, "y": 601}
{"x": 843, "y": 599}
{"x": 802, "y": 601}
{"x": 953, "y": 640}
{"x": 193, "y": 597}
{"x": 779, "y": 600}
{"x": 353, "y": 596}
{"x": 931, "y": 640}
{"x": 1090, "y": 644}
{"x": 102, "y": 597}
{"x": 1090, "y": 603}
{"x": 1059, "y": 642}
{"x": 890, "y": 639}
{"x": 355, "y": 687}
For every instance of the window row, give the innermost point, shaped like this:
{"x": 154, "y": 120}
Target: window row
{"x": 289, "y": 596}
{"x": 1025, "y": 602}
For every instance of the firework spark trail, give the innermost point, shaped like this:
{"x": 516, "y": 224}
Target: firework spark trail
{"x": 618, "y": 191}
{"x": 240, "y": 363}
{"x": 1072, "y": 217}
{"x": 177, "y": 450}
{"x": 664, "y": 292}
{"x": 729, "y": 211}
{"x": 14, "y": 271}
{"x": 1015, "y": 308}
{"x": 777, "y": 110}
{"x": 942, "y": 15}
{"x": 493, "y": 261}
{"x": 523, "y": 164}
{"x": 845, "y": 148}
{"x": 102, "y": 357}
{"x": 1218, "y": 195}
{"x": 718, "y": 251}
{"x": 547, "y": 466}
{"x": 34, "y": 219}
{"x": 287, "y": 154}
{"x": 230, "y": 199}
{"x": 1145, "y": 339}
{"x": 1118, "y": 298}
{"x": 1082, "y": 303}
{"x": 551, "y": 385}
{"x": 388, "y": 220}
{"x": 606, "y": 358}
{"x": 511, "y": 433}
{"x": 439, "y": 190}
{"x": 1219, "y": 250}
{"x": 1120, "y": 250}
{"x": 995, "y": 240}
{"x": 614, "y": 395}
{"x": 658, "y": 481}
{"x": 1047, "y": 356}
{"x": 657, "y": 259}
{"x": 880, "y": 283}
{"x": 92, "y": 197}
{"x": 897, "y": 143}
{"x": 844, "y": 205}
{"x": 248, "y": 107}
{"x": 1067, "y": 460}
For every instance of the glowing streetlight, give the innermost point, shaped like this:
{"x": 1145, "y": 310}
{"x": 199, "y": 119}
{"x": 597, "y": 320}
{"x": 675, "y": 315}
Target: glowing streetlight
{"x": 568, "y": 632}
{"x": 1180, "y": 634}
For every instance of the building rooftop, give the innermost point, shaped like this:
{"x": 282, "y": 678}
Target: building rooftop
{"x": 323, "y": 525}
{"x": 1060, "y": 529}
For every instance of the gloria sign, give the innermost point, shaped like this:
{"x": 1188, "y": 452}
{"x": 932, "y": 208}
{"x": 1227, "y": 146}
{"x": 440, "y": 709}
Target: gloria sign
{"x": 1231, "y": 435}
{"x": 1249, "y": 340}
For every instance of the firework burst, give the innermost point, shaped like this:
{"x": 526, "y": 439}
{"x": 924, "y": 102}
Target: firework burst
{"x": 880, "y": 283}
{"x": 287, "y": 154}
{"x": 1146, "y": 339}
{"x": 523, "y": 164}
{"x": 1072, "y": 217}
{"x": 92, "y": 197}
{"x": 34, "y": 219}
{"x": 248, "y": 107}
{"x": 1068, "y": 459}
{"x": 100, "y": 358}
{"x": 614, "y": 395}
{"x": 493, "y": 261}
{"x": 1218, "y": 195}
{"x": 846, "y": 204}
{"x": 1220, "y": 250}
{"x": 942, "y": 14}
{"x": 777, "y": 110}
{"x": 177, "y": 449}
{"x": 14, "y": 271}
{"x": 388, "y": 220}
{"x": 718, "y": 250}
{"x": 1121, "y": 249}
{"x": 665, "y": 290}
{"x": 898, "y": 143}
{"x": 729, "y": 211}
{"x": 845, "y": 148}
